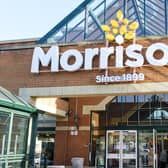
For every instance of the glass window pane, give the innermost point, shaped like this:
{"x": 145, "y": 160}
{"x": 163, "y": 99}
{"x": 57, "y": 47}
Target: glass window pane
{"x": 129, "y": 163}
{"x": 19, "y": 135}
{"x": 113, "y": 163}
{"x": 4, "y": 97}
{"x": 16, "y": 164}
{"x": 98, "y": 148}
{"x": 113, "y": 142}
{"x": 99, "y": 119}
{"x": 2, "y": 164}
{"x": 4, "y": 127}
{"x": 129, "y": 142}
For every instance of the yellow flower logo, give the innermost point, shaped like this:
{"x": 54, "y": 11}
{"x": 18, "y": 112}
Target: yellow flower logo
{"x": 120, "y": 29}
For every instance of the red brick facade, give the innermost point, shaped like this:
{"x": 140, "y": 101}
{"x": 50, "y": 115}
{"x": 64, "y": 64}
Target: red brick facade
{"x": 15, "y": 65}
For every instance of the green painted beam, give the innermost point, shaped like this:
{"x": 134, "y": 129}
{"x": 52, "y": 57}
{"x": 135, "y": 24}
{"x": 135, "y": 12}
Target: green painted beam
{"x": 17, "y": 106}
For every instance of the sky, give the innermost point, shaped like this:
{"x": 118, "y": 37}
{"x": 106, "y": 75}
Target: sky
{"x": 24, "y": 19}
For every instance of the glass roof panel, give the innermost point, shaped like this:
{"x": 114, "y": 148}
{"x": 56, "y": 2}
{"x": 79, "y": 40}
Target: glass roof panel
{"x": 84, "y": 23}
{"x": 4, "y": 97}
{"x": 7, "y": 96}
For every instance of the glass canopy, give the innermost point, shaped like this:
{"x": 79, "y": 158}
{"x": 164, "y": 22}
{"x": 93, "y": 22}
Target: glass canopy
{"x": 18, "y": 121}
{"x": 84, "y": 23}
{"x": 10, "y": 100}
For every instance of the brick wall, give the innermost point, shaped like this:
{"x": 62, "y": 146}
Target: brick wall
{"x": 16, "y": 60}
{"x": 68, "y": 146}
{"x": 15, "y": 65}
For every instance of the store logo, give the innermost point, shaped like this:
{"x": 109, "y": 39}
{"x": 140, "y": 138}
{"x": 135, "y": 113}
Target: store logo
{"x": 120, "y": 30}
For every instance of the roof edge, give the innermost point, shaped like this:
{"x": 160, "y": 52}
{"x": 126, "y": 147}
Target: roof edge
{"x": 17, "y": 106}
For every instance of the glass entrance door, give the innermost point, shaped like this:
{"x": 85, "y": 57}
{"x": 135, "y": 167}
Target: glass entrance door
{"x": 121, "y": 149}
{"x": 148, "y": 149}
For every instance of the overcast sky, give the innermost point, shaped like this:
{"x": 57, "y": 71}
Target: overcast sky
{"x": 22, "y": 19}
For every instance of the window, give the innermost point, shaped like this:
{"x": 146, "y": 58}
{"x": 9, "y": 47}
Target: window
{"x": 4, "y": 127}
{"x": 19, "y": 134}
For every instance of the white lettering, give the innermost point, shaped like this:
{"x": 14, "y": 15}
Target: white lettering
{"x": 89, "y": 55}
{"x": 40, "y": 57}
{"x": 119, "y": 57}
{"x": 137, "y": 58}
{"x": 122, "y": 78}
{"x": 104, "y": 55}
{"x": 133, "y": 52}
{"x": 64, "y": 60}
{"x": 150, "y": 54}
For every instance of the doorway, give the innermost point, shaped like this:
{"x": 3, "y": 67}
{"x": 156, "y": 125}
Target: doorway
{"x": 148, "y": 149}
{"x": 152, "y": 144}
{"x": 135, "y": 148}
{"x": 144, "y": 116}
{"x": 121, "y": 149}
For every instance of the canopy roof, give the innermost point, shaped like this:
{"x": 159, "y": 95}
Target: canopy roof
{"x": 84, "y": 23}
{"x": 10, "y": 100}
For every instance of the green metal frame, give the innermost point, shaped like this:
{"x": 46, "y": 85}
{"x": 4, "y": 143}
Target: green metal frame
{"x": 8, "y": 157}
{"x": 16, "y": 106}
{"x": 14, "y": 109}
{"x": 33, "y": 139}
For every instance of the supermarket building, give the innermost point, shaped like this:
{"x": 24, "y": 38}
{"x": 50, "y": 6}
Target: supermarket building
{"x": 110, "y": 100}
